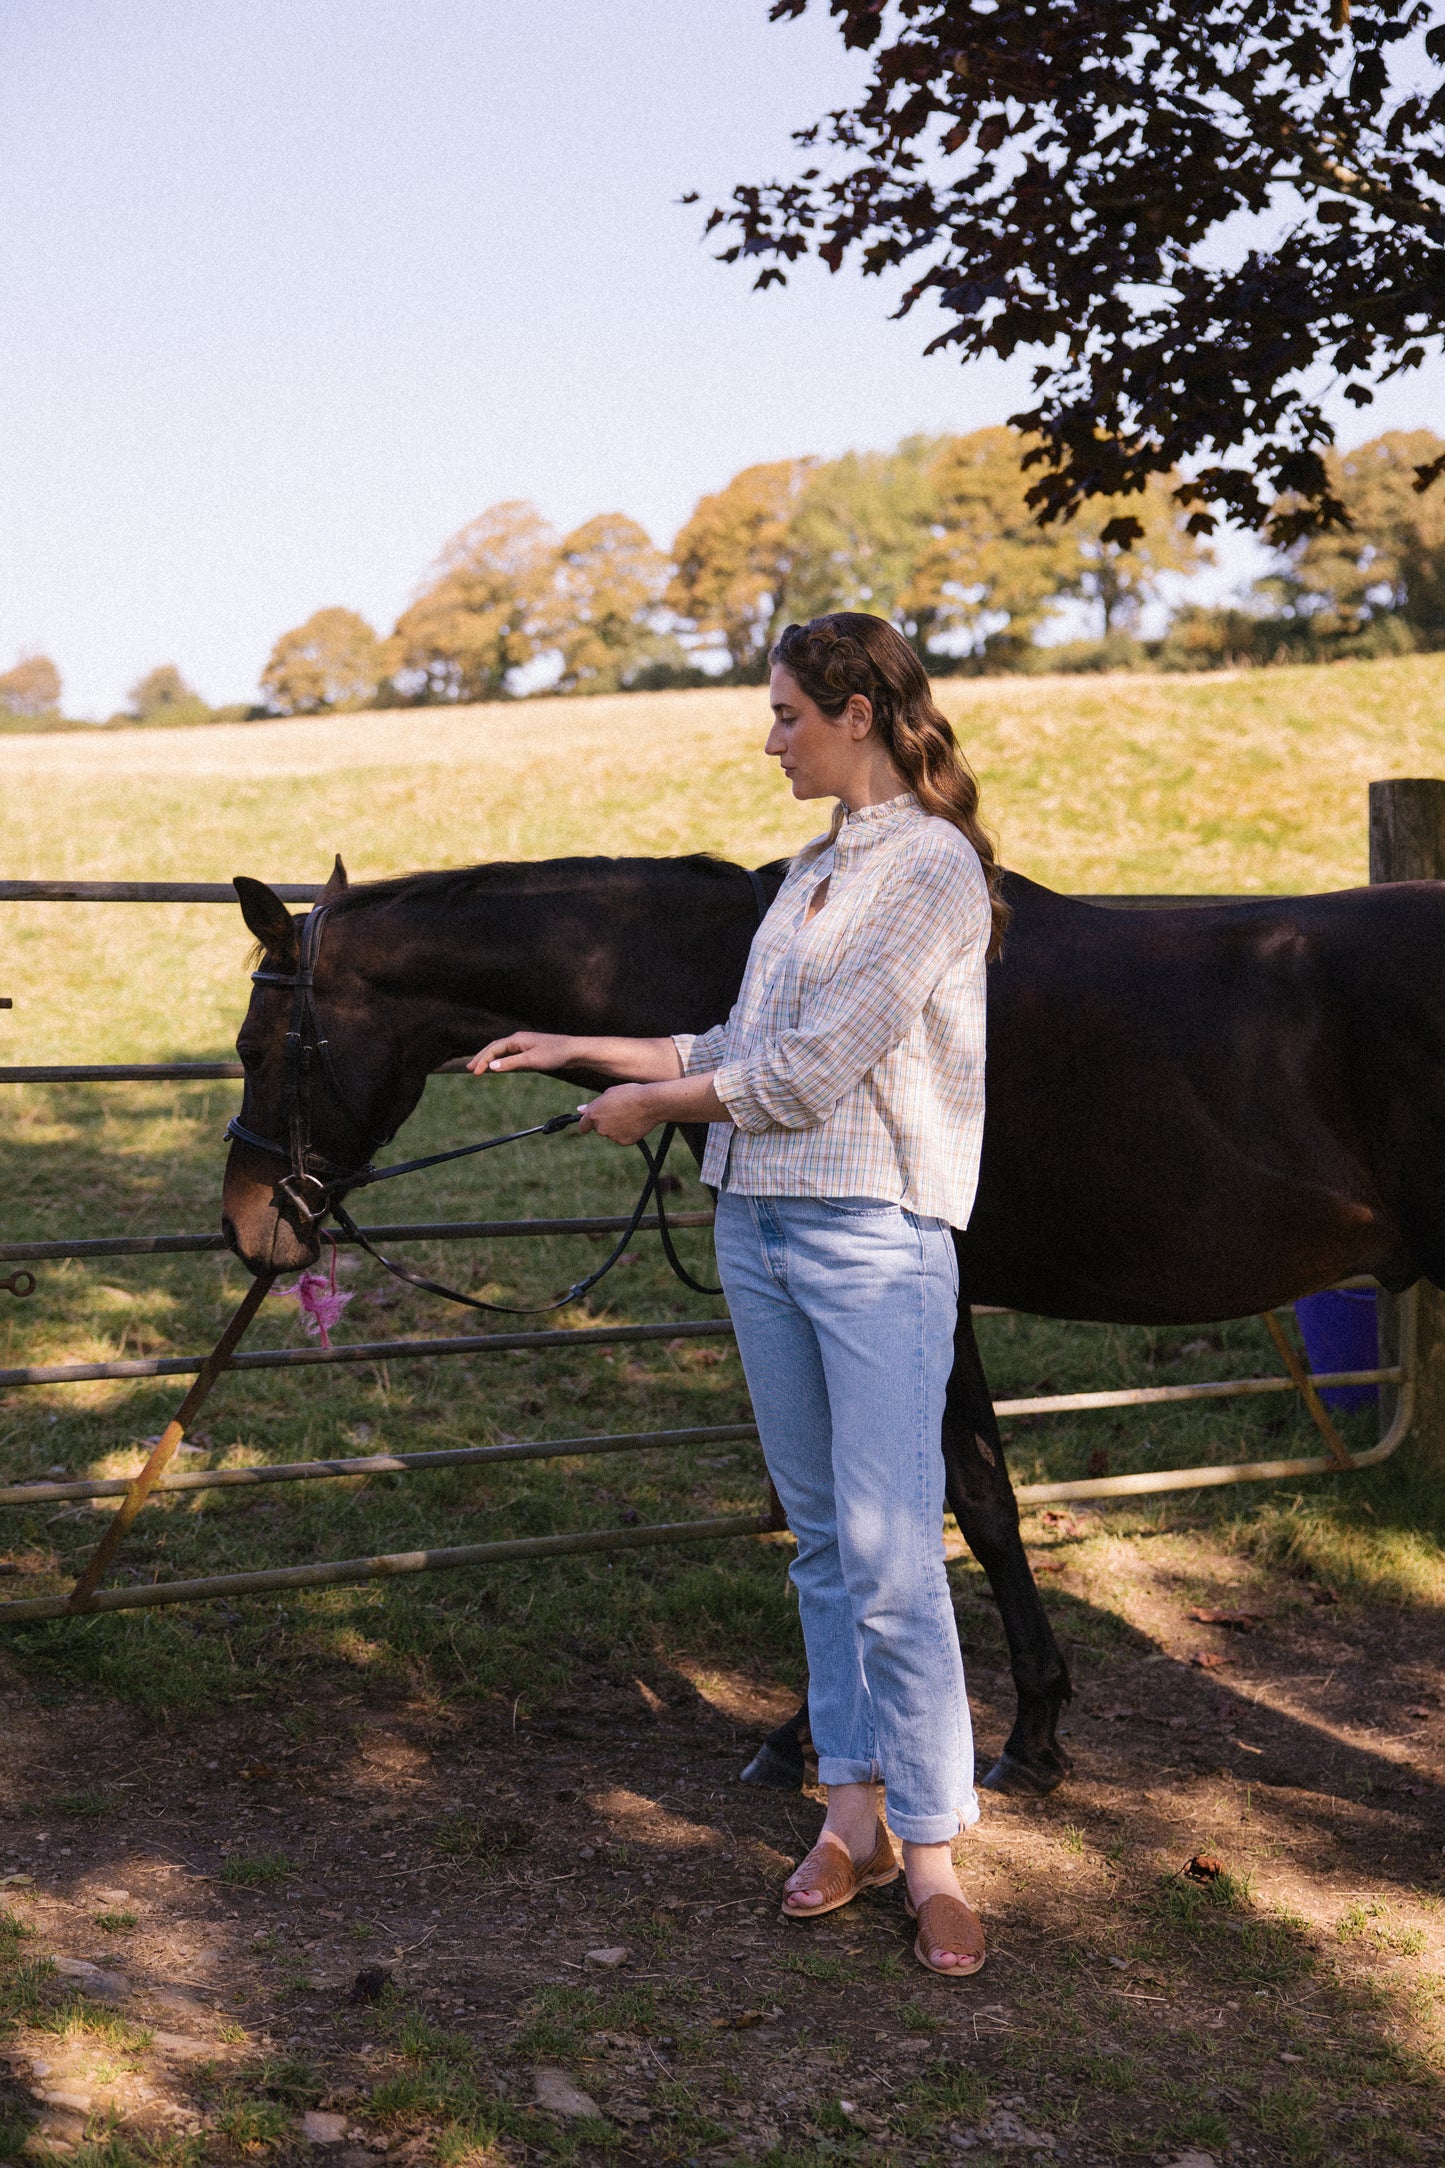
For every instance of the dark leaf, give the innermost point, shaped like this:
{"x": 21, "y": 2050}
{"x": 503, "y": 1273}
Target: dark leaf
{"x": 1204, "y": 1868}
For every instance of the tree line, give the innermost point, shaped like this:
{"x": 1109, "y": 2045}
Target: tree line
{"x": 936, "y": 535}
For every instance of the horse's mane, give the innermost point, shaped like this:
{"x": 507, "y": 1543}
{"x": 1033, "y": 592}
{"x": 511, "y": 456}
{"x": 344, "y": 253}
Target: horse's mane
{"x": 455, "y": 885}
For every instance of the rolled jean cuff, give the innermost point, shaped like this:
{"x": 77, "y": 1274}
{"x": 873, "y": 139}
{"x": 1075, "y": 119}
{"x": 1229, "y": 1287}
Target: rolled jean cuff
{"x": 833, "y": 1769}
{"x": 934, "y": 1828}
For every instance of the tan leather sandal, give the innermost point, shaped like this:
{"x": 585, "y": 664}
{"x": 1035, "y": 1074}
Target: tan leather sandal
{"x": 829, "y": 1870}
{"x": 947, "y": 1923}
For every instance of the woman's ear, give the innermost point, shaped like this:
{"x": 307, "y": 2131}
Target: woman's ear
{"x": 859, "y": 715}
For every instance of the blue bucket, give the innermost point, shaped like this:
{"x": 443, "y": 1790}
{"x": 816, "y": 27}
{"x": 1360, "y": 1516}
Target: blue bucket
{"x": 1339, "y": 1331}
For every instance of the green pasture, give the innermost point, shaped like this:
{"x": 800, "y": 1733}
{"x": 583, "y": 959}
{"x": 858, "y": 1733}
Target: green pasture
{"x": 1251, "y": 783}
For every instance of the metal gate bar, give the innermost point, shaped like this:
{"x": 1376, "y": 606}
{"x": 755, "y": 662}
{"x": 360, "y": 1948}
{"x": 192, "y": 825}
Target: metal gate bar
{"x": 368, "y": 1351}
{"x": 312, "y": 1471}
{"x": 340, "y": 1570}
{"x": 408, "y": 1231}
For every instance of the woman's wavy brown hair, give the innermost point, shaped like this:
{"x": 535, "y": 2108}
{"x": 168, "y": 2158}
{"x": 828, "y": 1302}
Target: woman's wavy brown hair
{"x": 849, "y": 652}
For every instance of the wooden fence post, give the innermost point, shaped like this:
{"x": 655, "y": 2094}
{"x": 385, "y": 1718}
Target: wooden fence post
{"x": 1407, "y": 843}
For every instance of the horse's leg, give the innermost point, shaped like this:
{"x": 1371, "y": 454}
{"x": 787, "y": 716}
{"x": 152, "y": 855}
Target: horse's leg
{"x": 779, "y": 1762}
{"x": 987, "y": 1513}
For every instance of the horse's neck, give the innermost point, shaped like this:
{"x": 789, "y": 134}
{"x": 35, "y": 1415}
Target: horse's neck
{"x": 631, "y": 960}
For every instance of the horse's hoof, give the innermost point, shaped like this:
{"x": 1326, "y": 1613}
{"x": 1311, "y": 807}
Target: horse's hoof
{"x": 1020, "y": 1780}
{"x": 777, "y": 1772}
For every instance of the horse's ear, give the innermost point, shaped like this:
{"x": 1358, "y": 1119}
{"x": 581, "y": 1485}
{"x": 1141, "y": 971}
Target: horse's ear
{"x": 337, "y": 883}
{"x": 268, "y": 919}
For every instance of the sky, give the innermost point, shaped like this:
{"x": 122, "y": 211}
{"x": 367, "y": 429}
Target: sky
{"x": 295, "y": 288}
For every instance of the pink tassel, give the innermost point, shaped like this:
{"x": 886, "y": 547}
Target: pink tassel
{"x": 321, "y": 1304}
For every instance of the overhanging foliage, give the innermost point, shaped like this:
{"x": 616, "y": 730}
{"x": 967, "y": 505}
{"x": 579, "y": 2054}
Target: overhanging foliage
{"x": 1198, "y": 213}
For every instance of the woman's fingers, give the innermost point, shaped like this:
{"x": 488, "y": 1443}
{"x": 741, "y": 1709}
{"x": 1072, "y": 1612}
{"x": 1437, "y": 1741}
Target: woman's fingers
{"x": 623, "y": 1114}
{"x": 522, "y": 1050}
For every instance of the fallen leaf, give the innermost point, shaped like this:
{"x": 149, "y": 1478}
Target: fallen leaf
{"x": 1210, "y": 1660}
{"x": 1046, "y": 1565}
{"x": 1203, "y": 1867}
{"x": 1419, "y": 1711}
{"x": 1243, "y": 1622}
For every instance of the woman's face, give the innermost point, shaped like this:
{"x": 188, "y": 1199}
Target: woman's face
{"x": 821, "y": 755}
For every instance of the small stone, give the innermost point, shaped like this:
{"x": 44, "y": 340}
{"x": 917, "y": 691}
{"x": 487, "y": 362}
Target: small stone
{"x": 78, "y": 2103}
{"x": 16, "y": 1881}
{"x": 554, "y": 2091}
{"x": 182, "y": 2046}
{"x": 875, "y": 2125}
{"x": 319, "y": 2128}
{"x": 101, "y": 1986}
{"x": 113, "y": 1896}
{"x": 616, "y": 1954}
{"x": 181, "y": 2001}
{"x": 1005, "y": 2128}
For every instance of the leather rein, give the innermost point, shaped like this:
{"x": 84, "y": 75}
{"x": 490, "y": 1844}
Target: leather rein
{"x": 313, "y": 1190}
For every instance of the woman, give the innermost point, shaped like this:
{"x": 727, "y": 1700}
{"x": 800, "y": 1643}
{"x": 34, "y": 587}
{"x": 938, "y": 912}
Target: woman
{"x": 845, "y": 1094}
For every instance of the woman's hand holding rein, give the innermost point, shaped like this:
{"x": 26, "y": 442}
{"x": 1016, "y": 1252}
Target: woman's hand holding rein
{"x": 654, "y": 1090}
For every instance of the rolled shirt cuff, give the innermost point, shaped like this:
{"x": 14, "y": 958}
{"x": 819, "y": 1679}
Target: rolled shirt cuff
{"x": 748, "y": 1113}
{"x": 701, "y": 1051}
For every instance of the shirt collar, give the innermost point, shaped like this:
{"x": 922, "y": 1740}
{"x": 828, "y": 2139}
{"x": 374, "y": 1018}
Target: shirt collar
{"x": 872, "y": 822}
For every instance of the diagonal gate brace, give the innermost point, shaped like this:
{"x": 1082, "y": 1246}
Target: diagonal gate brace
{"x": 166, "y": 1445}
{"x": 1305, "y": 1386}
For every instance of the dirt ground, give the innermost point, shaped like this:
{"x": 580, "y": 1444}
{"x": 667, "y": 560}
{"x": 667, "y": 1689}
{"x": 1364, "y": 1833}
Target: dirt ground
{"x": 482, "y": 1937}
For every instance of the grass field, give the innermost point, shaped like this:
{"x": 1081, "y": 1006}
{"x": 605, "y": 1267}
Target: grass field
{"x": 604, "y": 1686}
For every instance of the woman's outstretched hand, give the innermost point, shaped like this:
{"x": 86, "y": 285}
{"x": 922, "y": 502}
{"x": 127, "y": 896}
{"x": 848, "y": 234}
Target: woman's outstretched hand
{"x": 527, "y": 1050}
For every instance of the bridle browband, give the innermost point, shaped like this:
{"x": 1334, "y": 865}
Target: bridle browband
{"x": 312, "y": 1194}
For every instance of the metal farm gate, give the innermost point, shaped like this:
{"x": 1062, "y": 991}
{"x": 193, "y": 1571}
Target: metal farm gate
{"x": 1400, "y": 1375}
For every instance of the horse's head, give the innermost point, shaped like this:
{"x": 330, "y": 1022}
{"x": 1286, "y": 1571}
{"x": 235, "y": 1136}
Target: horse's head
{"x": 343, "y": 1091}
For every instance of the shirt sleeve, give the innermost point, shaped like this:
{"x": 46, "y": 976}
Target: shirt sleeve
{"x": 701, "y": 1051}
{"x": 928, "y": 916}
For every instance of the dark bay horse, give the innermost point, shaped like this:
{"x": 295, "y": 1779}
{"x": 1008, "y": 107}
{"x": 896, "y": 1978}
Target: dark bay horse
{"x": 1192, "y": 1113}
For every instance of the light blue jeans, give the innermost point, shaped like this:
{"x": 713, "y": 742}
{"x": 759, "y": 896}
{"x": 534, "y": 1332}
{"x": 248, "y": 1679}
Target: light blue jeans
{"x": 845, "y": 1309}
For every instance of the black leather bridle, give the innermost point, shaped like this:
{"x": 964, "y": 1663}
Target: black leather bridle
{"x": 309, "y": 1193}
{"x": 314, "y": 1189}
